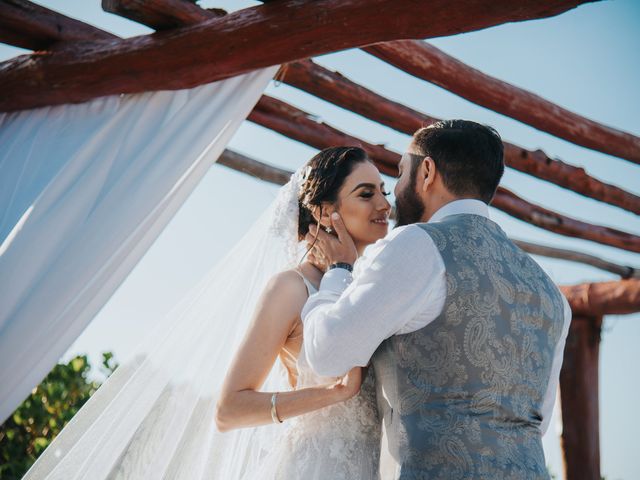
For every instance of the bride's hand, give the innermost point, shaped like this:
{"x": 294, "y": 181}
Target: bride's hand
{"x": 349, "y": 385}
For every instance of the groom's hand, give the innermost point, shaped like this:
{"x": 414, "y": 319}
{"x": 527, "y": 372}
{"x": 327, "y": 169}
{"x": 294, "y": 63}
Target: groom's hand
{"x": 338, "y": 248}
{"x": 317, "y": 258}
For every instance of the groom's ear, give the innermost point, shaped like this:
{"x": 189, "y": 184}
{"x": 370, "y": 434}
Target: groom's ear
{"x": 427, "y": 173}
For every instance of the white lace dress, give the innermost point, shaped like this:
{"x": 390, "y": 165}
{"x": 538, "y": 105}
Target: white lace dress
{"x": 338, "y": 442}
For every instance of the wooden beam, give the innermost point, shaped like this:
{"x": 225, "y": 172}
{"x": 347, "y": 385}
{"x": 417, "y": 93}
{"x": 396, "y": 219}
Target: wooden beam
{"x": 433, "y": 65}
{"x": 579, "y": 398}
{"x": 306, "y": 75}
{"x": 161, "y": 14}
{"x": 27, "y": 25}
{"x": 303, "y": 127}
{"x": 335, "y": 88}
{"x": 259, "y": 170}
{"x": 515, "y": 206}
{"x": 623, "y": 270}
{"x": 537, "y": 163}
{"x": 339, "y": 90}
{"x": 243, "y": 41}
{"x": 604, "y": 298}
{"x": 299, "y": 125}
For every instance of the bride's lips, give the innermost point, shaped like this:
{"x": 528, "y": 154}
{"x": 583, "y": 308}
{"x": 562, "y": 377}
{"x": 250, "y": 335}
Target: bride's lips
{"x": 380, "y": 221}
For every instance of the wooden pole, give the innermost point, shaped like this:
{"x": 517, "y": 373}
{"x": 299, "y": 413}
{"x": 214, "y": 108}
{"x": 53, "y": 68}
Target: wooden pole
{"x": 433, "y": 65}
{"x": 579, "y": 398}
{"x": 243, "y": 41}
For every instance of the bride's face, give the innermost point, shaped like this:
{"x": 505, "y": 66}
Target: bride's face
{"x": 363, "y": 205}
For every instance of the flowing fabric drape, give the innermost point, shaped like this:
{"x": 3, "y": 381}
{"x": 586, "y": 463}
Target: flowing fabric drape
{"x": 154, "y": 417}
{"x": 84, "y": 191}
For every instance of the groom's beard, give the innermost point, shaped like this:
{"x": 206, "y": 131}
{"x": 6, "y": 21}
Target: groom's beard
{"x": 409, "y": 207}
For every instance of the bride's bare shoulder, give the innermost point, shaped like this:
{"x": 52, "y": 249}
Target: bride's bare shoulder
{"x": 288, "y": 287}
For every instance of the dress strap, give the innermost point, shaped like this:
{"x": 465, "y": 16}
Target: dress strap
{"x": 310, "y": 288}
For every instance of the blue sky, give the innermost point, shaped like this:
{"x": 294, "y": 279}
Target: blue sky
{"x": 584, "y": 60}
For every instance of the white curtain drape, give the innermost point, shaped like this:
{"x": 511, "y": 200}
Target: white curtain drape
{"x": 84, "y": 191}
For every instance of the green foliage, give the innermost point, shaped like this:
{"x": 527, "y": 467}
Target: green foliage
{"x": 40, "y": 418}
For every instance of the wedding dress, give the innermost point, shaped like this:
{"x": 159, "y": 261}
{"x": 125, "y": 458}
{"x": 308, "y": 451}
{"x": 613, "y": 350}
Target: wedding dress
{"x": 153, "y": 418}
{"x": 338, "y": 442}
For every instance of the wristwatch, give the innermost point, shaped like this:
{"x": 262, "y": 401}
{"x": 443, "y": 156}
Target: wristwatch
{"x": 346, "y": 266}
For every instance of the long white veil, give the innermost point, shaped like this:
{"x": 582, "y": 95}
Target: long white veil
{"x": 154, "y": 417}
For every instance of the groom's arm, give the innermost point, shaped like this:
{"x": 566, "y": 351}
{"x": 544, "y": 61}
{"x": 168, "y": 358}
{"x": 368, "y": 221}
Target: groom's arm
{"x": 401, "y": 278}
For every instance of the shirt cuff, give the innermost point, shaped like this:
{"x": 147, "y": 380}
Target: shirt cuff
{"x": 336, "y": 280}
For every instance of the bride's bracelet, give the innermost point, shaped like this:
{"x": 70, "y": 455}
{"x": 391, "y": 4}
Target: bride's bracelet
{"x": 274, "y": 413}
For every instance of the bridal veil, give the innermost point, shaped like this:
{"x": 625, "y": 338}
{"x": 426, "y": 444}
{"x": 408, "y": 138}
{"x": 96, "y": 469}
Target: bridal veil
{"x": 154, "y": 417}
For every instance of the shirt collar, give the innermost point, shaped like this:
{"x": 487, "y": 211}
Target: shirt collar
{"x": 466, "y": 205}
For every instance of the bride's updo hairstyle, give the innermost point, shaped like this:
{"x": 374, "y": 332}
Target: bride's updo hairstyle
{"x": 324, "y": 176}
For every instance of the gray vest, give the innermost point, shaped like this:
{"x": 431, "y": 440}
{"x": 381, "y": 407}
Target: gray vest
{"x": 461, "y": 398}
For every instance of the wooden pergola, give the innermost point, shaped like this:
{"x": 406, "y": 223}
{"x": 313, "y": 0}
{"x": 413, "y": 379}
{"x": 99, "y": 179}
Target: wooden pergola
{"x": 74, "y": 62}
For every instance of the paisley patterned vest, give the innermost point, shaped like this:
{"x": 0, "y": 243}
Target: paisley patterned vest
{"x": 461, "y": 398}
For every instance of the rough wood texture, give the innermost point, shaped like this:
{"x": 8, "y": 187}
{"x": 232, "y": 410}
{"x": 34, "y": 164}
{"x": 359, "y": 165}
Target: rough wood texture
{"x": 299, "y": 125}
{"x": 303, "y": 127}
{"x": 552, "y": 252}
{"x": 262, "y": 171}
{"x": 429, "y": 63}
{"x": 331, "y": 86}
{"x": 604, "y": 298}
{"x": 515, "y": 206}
{"x": 579, "y": 397}
{"x": 161, "y": 14}
{"x": 27, "y": 25}
{"x": 242, "y": 41}
{"x": 339, "y": 90}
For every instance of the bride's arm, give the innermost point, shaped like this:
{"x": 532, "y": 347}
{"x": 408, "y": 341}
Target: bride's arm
{"x": 241, "y": 404}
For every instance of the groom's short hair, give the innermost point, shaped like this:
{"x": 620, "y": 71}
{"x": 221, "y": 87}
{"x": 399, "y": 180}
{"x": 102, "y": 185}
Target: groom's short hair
{"x": 468, "y": 155}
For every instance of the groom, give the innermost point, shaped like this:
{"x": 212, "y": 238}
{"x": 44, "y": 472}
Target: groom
{"x": 464, "y": 330}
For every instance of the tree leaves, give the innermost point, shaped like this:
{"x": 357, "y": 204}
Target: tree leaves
{"x": 36, "y": 422}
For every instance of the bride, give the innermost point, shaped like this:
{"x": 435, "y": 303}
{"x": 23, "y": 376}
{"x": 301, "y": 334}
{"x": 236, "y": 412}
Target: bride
{"x": 336, "y": 436}
{"x": 230, "y": 356}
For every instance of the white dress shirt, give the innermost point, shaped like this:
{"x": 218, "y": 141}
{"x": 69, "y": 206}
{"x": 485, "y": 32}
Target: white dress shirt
{"x": 397, "y": 287}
